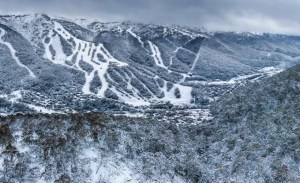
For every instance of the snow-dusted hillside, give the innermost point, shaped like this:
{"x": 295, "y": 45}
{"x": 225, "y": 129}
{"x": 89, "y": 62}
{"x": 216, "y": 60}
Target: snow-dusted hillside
{"x": 253, "y": 136}
{"x": 57, "y": 63}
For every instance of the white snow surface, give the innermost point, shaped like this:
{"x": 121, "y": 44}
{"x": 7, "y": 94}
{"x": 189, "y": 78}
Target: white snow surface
{"x": 18, "y": 142}
{"x": 15, "y": 96}
{"x": 270, "y": 71}
{"x": 43, "y": 109}
{"x": 84, "y": 51}
{"x": 185, "y": 92}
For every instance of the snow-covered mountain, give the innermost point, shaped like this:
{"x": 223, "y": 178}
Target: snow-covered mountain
{"x": 63, "y": 65}
{"x": 181, "y": 104}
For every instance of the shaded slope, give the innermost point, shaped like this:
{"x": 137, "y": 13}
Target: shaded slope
{"x": 256, "y": 132}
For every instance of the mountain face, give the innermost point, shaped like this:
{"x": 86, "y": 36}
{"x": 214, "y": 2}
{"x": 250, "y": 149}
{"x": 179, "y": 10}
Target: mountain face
{"x": 53, "y": 64}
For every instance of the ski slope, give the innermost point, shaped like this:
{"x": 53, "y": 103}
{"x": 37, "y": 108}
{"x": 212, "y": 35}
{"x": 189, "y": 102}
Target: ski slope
{"x": 82, "y": 54}
{"x": 13, "y": 53}
{"x": 156, "y": 55}
{"x": 88, "y": 52}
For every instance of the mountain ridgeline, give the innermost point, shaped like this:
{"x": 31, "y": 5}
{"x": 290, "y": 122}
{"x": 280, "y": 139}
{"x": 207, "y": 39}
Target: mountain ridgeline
{"x": 58, "y": 64}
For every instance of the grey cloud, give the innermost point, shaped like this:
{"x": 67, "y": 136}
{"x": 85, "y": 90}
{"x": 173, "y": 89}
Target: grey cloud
{"x": 275, "y": 16}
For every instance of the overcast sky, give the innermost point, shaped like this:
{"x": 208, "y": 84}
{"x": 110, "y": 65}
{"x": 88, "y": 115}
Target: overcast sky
{"x": 274, "y": 16}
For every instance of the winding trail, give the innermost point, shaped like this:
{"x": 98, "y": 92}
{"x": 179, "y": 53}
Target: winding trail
{"x": 13, "y": 53}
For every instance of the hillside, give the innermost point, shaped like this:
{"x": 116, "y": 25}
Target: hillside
{"x": 97, "y": 148}
{"x": 256, "y": 132}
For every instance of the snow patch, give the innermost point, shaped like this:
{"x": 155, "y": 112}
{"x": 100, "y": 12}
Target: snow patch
{"x": 15, "y": 96}
{"x": 185, "y": 94}
{"x": 270, "y": 71}
{"x": 131, "y": 100}
{"x": 59, "y": 54}
{"x": 43, "y": 109}
{"x": 18, "y": 142}
{"x": 134, "y": 115}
